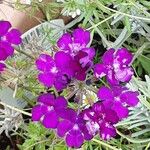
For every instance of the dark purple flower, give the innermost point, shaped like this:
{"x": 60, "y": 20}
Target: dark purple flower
{"x": 100, "y": 119}
{"x": 118, "y": 98}
{"x": 8, "y": 38}
{"x": 72, "y": 127}
{"x": 2, "y": 67}
{"x": 46, "y": 111}
{"x": 115, "y": 66}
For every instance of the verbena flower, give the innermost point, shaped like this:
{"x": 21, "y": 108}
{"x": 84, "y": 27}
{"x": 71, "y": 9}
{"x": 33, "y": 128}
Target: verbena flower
{"x": 118, "y": 98}
{"x": 75, "y": 43}
{"x": 8, "y": 38}
{"x": 57, "y": 71}
{"x": 115, "y": 66}
{"x": 100, "y": 119}
{"x": 72, "y": 127}
{"x": 46, "y": 111}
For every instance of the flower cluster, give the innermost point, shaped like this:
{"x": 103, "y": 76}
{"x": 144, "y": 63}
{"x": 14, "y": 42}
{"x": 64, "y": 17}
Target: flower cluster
{"x": 8, "y": 38}
{"x": 73, "y": 60}
{"x": 71, "y": 66}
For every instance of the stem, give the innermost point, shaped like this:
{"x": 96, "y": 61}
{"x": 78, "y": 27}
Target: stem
{"x": 16, "y": 109}
{"x": 125, "y": 14}
{"x": 26, "y": 54}
{"x": 99, "y": 23}
{"x": 105, "y": 144}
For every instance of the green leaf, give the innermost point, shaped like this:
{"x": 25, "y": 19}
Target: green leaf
{"x": 145, "y": 62}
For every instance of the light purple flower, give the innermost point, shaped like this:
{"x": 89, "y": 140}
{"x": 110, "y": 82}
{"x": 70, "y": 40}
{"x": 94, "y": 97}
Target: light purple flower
{"x": 46, "y": 111}
{"x": 118, "y": 98}
{"x": 8, "y": 38}
{"x": 115, "y": 66}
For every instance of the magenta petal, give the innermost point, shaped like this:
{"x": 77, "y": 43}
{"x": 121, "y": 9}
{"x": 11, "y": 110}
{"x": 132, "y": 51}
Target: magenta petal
{"x": 45, "y": 63}
{"x": 74, "y": 139}
{"x": 123, "y": 56}
{"x": 124, "y": 75}
{"x": 81, "y": 36}
{"x": 111, "y": 78}
{"x": 105, "y": 93}
{"x": 4, "y": 27}
{"x": 60, "y": 102}
{"x": 47, "y": 99}
{"x": 81, "y": 75}
{"x": 130, "y": 98}
{"x": 111, "y": 116}
{"x": 107, "y": 131}
{"x": 14, "y": 36}
{"x": 108, "y": 57}
{"x": 64, "y": 41}
{"x": 47, "y": 79}
{"x": 38, "y": 111}
{"x": 90, "y": 51}
{"x": 3, "y": 54}
{"x": 100, "y": 70}
{"x": 122, "y": 112}
{"x": 5, "y": 46}
{"x": 50, "y": 120}
{"x": 2, "y": 67}
{"x": 68, "y": 114}
{"x": 63, "y": 61}
{"x": 63, "y": 127}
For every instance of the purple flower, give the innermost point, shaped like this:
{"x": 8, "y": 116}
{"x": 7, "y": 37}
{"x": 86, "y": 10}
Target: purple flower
{"x": 72, "y": 127}
{"x": 8, "y": 38}
{"x": 118, "y": 98}
{"x": 2, "y": 67}
{"x": 75, "y": 43}
{"x": 115, "y": 66}
{"x": 100, "y": 119}
{"x": 46, "y": 111}
{"x": 57, "y": 71}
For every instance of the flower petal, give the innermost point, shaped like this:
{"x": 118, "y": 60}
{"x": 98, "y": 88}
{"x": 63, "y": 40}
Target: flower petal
{"x": 38, "y": 111}
{"x": 124, "y": 75}
{"x": 74, "y": 139}
{"x": 45, "y": 63}
{"x": 68, "y": 114}
{"x": 100, "y": 70}
{"x": 64, "y": 41}
{"x": 50, "y": 120}
{"x": 63, "y": 61}
{"x": 47, "y": 79}
{"x": 14, "y": 37}
{"x": 81, "y": 36}
{"x": 122, "y": 112}
{"x": 108, "y": 57}
{"x": 47, "y": 99}
{"x": 105, "y": 93}
{"x": 63, "y": 127}
{"x": 130, "y": 98}
{"x": 123, "y": 56}
{"x": 4, "y": 27}
{"x": 107, "y": 131}
{"x": 60, "y": 102}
